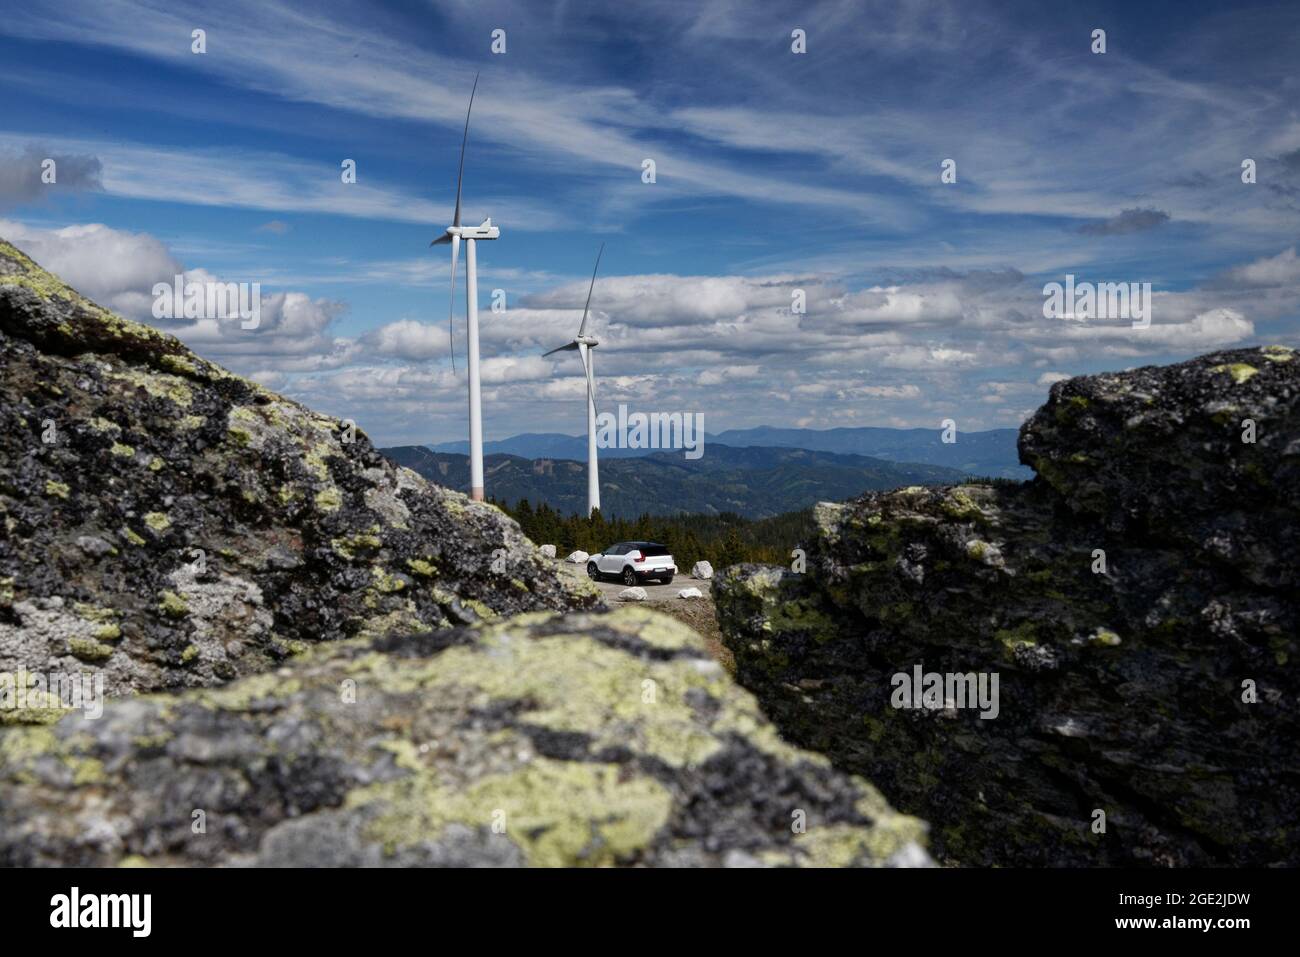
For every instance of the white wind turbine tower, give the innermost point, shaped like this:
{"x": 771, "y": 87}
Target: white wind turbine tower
{"x": 454, "y": 234}
{"x": 585, "y": 346}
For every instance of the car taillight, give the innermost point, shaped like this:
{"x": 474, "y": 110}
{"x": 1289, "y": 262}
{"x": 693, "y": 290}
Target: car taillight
{"x": 637, "y": 557}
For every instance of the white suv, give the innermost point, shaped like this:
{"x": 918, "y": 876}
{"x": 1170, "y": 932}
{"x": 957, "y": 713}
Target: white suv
{"x": 633, "y": 562}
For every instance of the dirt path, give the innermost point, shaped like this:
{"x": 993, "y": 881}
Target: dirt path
{"x": 696, "y": 612}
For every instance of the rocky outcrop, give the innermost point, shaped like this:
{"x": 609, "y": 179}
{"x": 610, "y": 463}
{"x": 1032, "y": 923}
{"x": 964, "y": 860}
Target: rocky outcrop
{"x": 232, "y": 633}
{"x": 587, "y": 739}
{"x": 166, "y": 523}
{"x": 1137, "y": 602}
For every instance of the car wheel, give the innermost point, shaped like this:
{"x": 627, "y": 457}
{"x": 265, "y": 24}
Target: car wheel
{"x": 629, "y": 576}
{"x": 668, "y": 580}
{"x": 593, "y": 572}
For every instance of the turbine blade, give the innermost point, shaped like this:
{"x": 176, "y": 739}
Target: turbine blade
{"x": 441, "y": 240}
{"x": 451, "y": 303}
{"x": 460, "y": 175}
{"x": 582, "y": 329}
{"x": 567, "y": 347}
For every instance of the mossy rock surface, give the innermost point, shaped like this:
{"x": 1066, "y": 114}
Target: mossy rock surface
{"x": 1120, "y": 690}
{"x": 587, "y": 739}
{"x": 222, "y": 524}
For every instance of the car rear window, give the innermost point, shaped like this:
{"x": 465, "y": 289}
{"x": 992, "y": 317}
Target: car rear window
{"x": 650, "y": 549}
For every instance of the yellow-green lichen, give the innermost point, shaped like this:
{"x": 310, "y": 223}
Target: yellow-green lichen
{"x": 56, "y": 489}
{"x": 160, "y": 385}
{"x": 243, "y": 694}
{"x": 580, "y": 685}
{"x": 557, "y": 813}
{"x": 1023, "y": 635}
{"x": 173, "y": 605}
{"x": 484, "y": 612}
{"x": 92, "y": 612}
{"x": 1106, "y": 637}
{"x": 347, "y": 547}
{"x": 38, "y": 708}
{"x": 959, "y": 504}
{"x": 385, "y": 581}
{"x": 122, "y": 451}
{"x": 316, "y": 460}
{"x": 422, "y": 568}
{"x": 1240, "y": 371}
{"x": 329, "y": 500}
{"x": 158, "y": 521}
{"x": 88, "y": 649}
{"x": 178, "y": 364}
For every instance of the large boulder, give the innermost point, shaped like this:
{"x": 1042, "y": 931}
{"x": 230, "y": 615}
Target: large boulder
{"x": 547, "y": 551}
{"x": 702, "y": 571}
{"x": 587, "y": 739}
{"x": 165, "y": 523}
{"x": 1203, "y": 456}
{"x": 1136, "y": 601}
{"x": 635, "y": 593}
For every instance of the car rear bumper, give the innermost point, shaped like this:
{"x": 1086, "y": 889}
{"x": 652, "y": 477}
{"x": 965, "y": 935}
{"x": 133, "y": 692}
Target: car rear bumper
{"x": 655, "y": 572}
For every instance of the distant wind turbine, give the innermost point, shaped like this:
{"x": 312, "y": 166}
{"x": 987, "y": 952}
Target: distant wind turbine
{"x": 454, "y": 234}
{"x": 585, "y": 346}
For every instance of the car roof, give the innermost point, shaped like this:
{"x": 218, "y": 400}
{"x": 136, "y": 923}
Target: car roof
{"x": 656, "y": 544}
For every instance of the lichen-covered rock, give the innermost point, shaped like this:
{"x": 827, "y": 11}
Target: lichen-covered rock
{"x": 1137, "y": 601}
{"x": 1204, "y": 456}
{"x": 166, "y": 523}
{"x": 586, "y": 739}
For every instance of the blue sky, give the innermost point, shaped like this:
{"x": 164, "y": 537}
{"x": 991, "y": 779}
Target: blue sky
{"x": 775, "y": 171}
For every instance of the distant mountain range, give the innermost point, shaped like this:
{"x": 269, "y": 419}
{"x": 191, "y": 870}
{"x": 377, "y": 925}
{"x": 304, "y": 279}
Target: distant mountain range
{"x": 991, "y": 453}
{"x": 751, "y": 481}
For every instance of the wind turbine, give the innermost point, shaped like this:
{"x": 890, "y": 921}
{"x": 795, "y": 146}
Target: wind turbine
{"x": 454, "y": 234}
{"x": 584, "y": 345}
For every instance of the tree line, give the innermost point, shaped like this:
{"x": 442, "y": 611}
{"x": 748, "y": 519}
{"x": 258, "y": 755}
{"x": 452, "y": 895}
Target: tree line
{"x": 723, "y": 539}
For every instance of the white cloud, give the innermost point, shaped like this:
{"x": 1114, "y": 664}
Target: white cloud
{"x": 726, "y": 345}
{"x": 1284, "y": 268}
{"x": 408, "y": 339}
{"x": 117, "y": 269}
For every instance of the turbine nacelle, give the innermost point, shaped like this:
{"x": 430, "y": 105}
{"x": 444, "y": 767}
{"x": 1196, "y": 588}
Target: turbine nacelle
{"x": 589, "y": 341}
{"x": 485, "y": 230}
